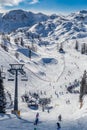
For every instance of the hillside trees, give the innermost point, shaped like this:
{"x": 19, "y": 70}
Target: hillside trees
{"x": 2, "y": 96}
{"x": 83, "y": 87}
{"x": 76, "y": 45}
{"x": 83, "y": 47}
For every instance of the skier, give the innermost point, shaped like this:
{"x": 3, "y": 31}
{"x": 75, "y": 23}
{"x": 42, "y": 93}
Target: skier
{"x": 60, "y": 118}
{"x": 37, "y": 115}
{"x": 30, "y": 54}
{"x": 58, "y": 126}
{"x": 37, "y": 119}
{"x": 48, "y": 110}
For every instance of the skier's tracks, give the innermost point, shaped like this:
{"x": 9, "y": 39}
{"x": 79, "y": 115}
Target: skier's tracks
{"x": 63, "y": 57}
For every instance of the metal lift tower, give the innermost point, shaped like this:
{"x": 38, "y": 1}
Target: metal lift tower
{"x": 16, "y": 69}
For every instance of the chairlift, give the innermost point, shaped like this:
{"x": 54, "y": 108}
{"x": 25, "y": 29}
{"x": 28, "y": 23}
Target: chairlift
{"x": 22, "y": 72}
{"x": 10, "y": 79}
{"x": 24, "y": 78}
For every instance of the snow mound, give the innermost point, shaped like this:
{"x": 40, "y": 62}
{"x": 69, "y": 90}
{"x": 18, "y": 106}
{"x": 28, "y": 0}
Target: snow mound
{"x": 48, "y": 61}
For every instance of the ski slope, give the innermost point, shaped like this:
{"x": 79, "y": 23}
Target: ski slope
{"x": 49, "y": 71}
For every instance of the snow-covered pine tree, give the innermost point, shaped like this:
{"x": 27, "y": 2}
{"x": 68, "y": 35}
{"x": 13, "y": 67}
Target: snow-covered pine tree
{"x": 2, "y": 96}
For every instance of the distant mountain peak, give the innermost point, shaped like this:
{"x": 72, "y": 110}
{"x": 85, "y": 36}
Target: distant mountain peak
{"x": 14, "y": 19}
{"x": 83, "y": 11}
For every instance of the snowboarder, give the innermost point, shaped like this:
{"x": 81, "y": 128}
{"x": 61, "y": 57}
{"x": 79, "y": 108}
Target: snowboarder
{"x": 58, "y": 126}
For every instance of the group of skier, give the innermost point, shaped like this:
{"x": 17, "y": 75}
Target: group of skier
{"x": 37, "y": 120}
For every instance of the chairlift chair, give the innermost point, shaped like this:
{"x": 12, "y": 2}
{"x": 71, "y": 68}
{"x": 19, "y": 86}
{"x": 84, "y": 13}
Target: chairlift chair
{"x": 24, "y": 78}
{"x": 9, "y": 79}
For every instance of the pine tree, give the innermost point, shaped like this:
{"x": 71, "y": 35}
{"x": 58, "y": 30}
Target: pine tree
{"x": 83, "y": 48}
{"x": 30, "y": 53}
{"x": 76, "y": 45}
{"x": 2, "y": 96}
{"x": 86, "y": 49}
{"x": 22, "y": 42}
{"x": 83, "y": 87}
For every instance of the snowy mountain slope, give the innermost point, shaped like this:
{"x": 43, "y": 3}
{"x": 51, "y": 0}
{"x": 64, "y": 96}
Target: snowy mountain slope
{"x": 48, "y": 71}
{"x": 73, "y": 61}
{"x": 19, "y": 18}
{"x": 51, "y": 29}
{"x": 72, "y": 25}
{"x": 59, "y": 104}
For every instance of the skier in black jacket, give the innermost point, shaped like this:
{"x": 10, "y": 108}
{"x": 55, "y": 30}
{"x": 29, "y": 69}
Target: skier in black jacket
{"x": 58, "y": 126}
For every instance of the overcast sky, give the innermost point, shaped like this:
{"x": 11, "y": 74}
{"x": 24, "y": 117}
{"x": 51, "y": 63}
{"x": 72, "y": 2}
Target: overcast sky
{"x": 45, "y": 6}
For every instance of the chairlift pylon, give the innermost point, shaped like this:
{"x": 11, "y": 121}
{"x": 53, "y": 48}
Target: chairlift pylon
{"x": 24, "y": 78}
